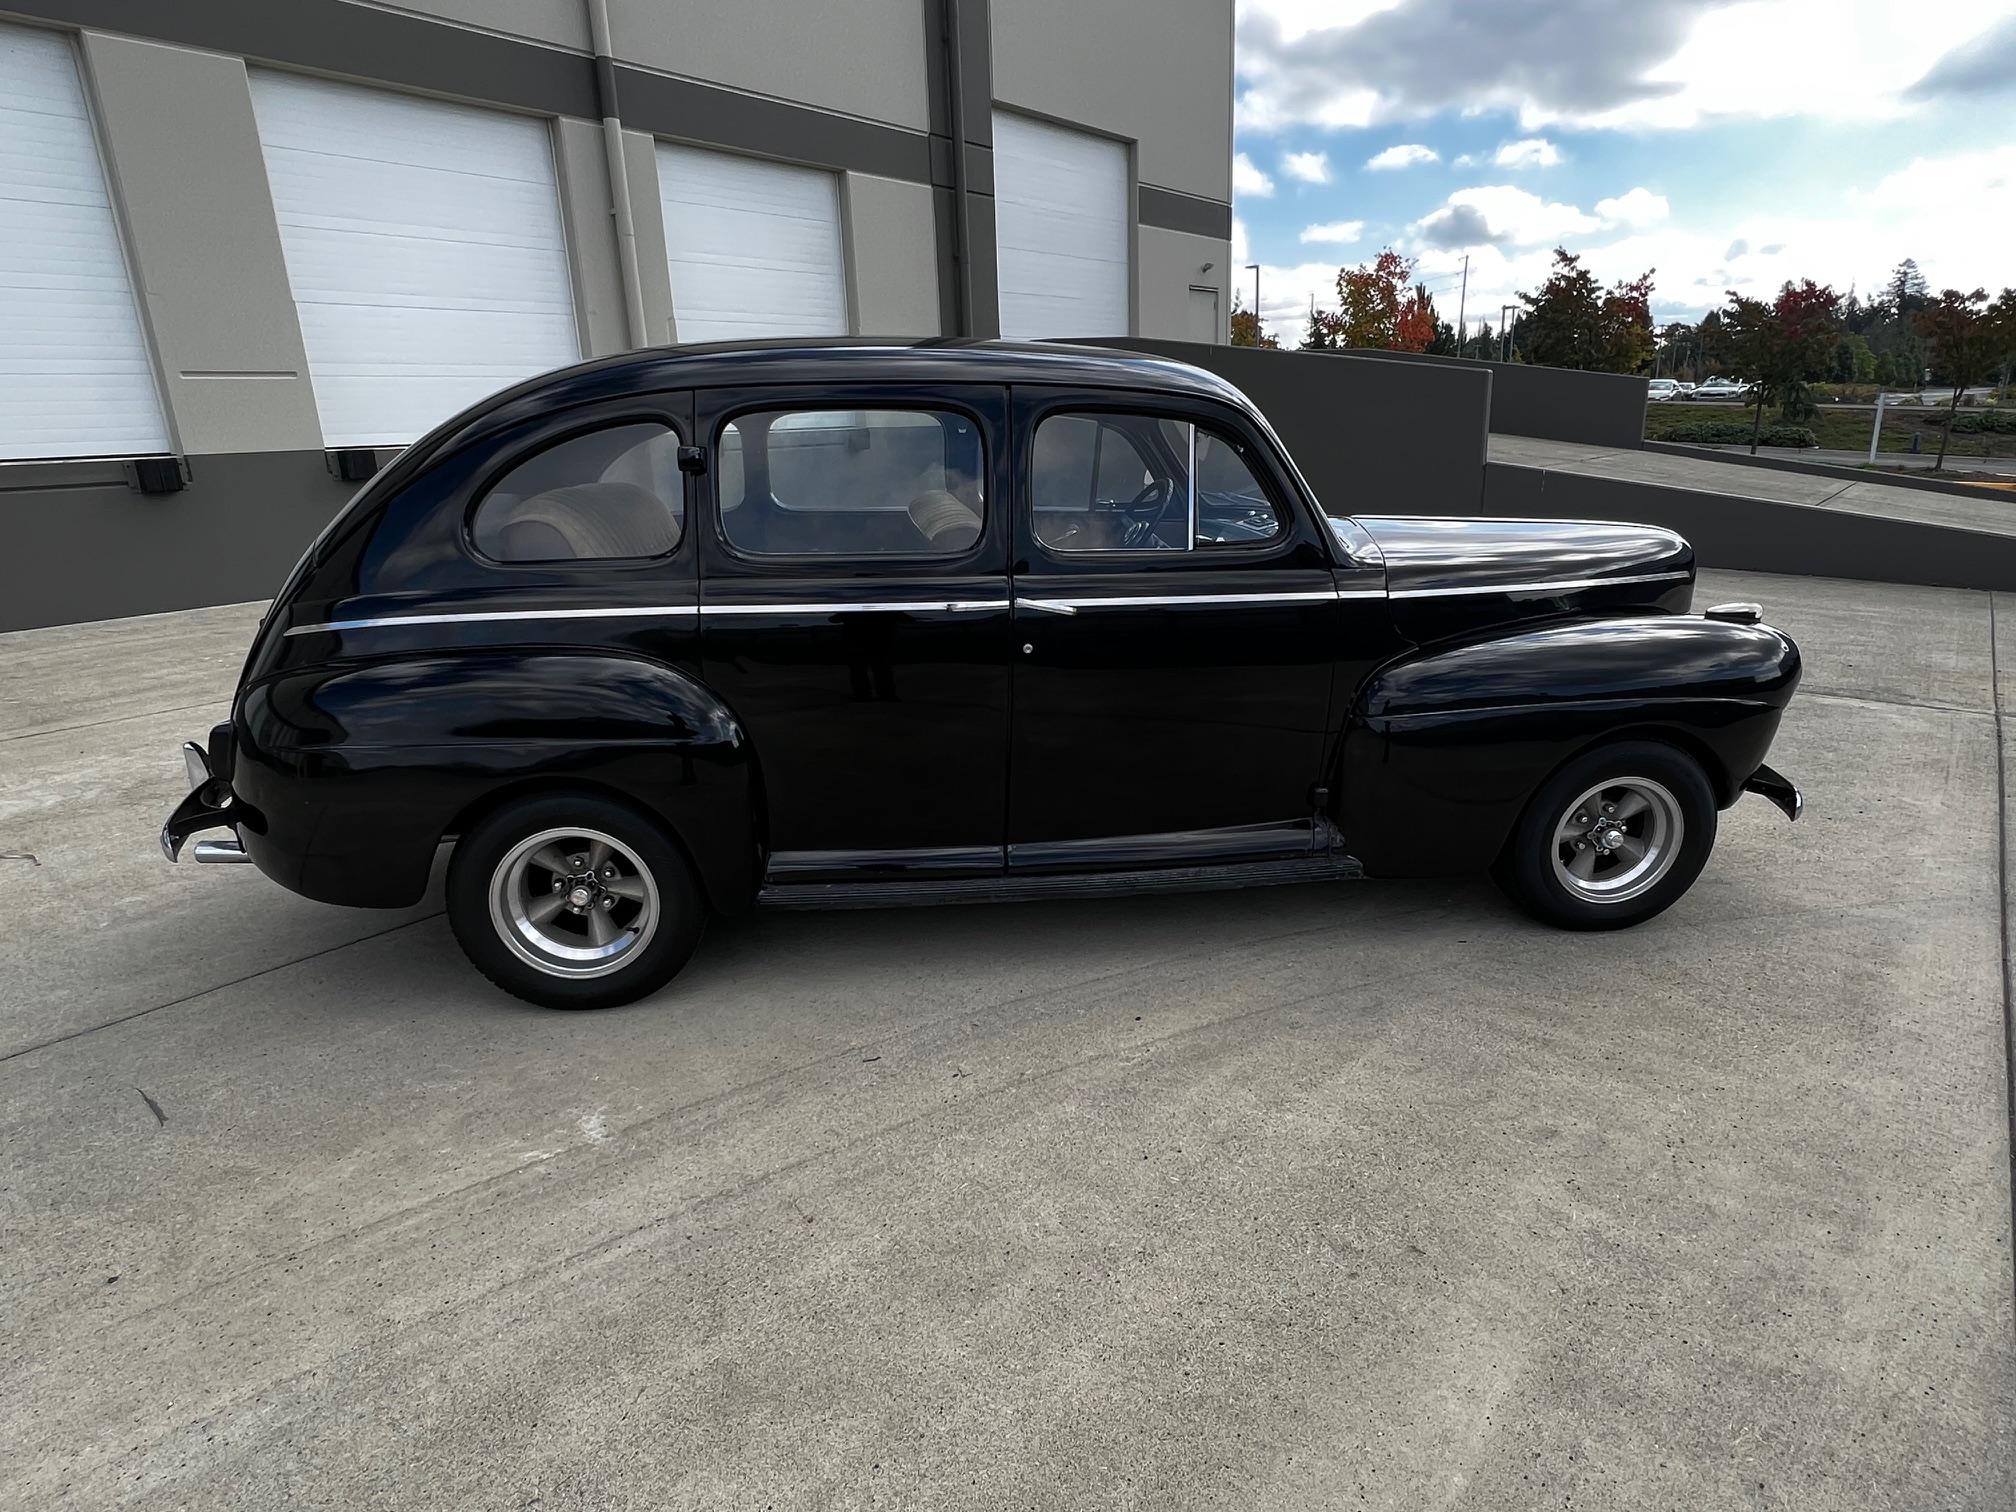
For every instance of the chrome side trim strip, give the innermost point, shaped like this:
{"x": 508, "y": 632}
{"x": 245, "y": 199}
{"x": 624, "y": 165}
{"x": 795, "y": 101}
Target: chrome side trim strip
{"x": 1178, "y": 600}
{"x": 655, "y": 611}
{"x": 1551, "y": 586}
{"x": 649, "y": 611}
{"x": 881, "y": 606}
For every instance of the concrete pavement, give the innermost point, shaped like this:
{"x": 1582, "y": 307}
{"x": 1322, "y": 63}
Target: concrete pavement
{"x": 1363, "y": 1195}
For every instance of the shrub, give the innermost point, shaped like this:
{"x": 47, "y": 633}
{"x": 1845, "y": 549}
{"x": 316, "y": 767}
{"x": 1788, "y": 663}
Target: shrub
{"x": 1710, "y": 432}
{"x": 1787, "y": 435}
{"x": 1996, "y": 421}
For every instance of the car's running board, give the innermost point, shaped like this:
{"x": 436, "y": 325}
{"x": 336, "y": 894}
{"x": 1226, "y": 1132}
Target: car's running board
{"x": 909, "y": 892}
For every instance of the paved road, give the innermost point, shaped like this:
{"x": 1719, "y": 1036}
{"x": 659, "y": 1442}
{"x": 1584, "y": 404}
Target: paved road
{"x": 1351, "y": 1196}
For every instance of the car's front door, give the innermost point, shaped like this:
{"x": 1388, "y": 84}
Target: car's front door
{"x": 855, "y": 617}
{"x": 1176, "y": 619}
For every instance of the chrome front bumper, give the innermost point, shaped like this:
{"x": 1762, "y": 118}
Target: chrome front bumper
{"x": 1766, "y": 783}
{"x": 210, "y": 805}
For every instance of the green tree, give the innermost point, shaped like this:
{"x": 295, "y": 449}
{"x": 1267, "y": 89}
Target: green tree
{"x": 1779, "y": 347}
{"x": 1246, "y": 328}
{"x": 1907, "y": 292}
{"x": 1320, "y": 334}
{"x": 1961, "y": 329}
{"x": 1854, "y": 361}
{"x": 1575, "y": 323}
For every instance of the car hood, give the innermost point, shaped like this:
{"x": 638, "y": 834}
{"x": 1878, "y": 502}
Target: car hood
{"x": 1449, "y": 574}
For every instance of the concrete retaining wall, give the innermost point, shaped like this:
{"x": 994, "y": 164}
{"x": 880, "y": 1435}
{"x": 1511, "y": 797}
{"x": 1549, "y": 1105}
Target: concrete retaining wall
{"x": 1557, "y": 404}
{"x": 1370, "y": 435}
{"x": 1763, "y": 535}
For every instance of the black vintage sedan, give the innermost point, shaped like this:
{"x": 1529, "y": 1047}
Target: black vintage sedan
{"x": 848, "y": 623}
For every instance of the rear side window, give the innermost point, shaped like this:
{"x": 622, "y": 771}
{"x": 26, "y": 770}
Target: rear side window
{"x": 1142, "y": 483}
{"x": 610, "y": 495}
{"x": 853, "y": 483}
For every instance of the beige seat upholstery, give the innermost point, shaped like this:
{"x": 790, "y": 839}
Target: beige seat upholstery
{"x": 583, "y": 522}
{"x": 943, "y": 521}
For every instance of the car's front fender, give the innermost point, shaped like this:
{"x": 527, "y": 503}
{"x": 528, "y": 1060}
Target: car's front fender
{"x": 1445, "y": 745}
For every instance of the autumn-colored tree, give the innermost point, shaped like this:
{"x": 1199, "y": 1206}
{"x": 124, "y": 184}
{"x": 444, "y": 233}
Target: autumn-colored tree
{"x": 1247, "y": 330}
{"x": 1378, "y": 309}
{"x": 1779, "y": 347}
{"x": 1573, "y": 322}
{"x": 1961, "y": 331}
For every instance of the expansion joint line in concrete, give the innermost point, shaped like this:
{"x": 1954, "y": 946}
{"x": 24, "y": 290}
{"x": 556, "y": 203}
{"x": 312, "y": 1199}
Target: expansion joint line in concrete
{"x": 2002, "y": 879}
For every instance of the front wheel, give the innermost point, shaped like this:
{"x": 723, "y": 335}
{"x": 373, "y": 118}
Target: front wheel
{"x": 1614, "y": 837}
{"x": 573, "y": 901}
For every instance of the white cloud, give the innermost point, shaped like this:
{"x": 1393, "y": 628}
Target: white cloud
{"x": 1406, "y": 155}
{"x": 1248, "y": 179}
{"x": 1335, "y": 231}
{"x": 1947, "y": 212}
{"x": 1309, "y": 167}
{"x": 1532, "y": 152}
{"x": 1599, "y": 63}
{"x": 1242, "y": 244}
{"x": 1635, "y": 208}
{"x": 1500, "y": 214}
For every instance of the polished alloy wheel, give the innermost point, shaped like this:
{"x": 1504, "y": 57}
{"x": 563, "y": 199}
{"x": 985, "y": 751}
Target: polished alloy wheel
{"x": 573, "y": 902}
{"x": 1618, "y": 839}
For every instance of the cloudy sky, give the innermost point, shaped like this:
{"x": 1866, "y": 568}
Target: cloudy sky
{"x": 1726, "y": 143}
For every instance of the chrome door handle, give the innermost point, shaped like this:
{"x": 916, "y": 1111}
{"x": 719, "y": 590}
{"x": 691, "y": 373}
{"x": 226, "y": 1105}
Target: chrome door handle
{"x": 1048, "y": 606}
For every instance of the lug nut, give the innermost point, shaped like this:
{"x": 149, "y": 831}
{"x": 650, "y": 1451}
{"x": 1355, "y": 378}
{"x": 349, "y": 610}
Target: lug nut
{"x": 609, "y": 900}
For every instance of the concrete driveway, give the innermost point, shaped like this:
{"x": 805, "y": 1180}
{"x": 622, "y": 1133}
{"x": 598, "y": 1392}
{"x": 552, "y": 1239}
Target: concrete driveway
{"x": 1366, "y": 1195}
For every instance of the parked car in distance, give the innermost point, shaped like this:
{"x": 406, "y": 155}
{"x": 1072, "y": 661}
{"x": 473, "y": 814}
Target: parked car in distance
{"x": 1662, "y": 388}
{"x": 1721, "y": 388}
{"x": 845, "y": 623}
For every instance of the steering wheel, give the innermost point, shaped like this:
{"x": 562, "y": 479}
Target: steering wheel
{"x": 1141, "y": 524}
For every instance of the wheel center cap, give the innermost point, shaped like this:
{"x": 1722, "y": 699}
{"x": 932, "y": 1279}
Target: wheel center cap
{"x": 1608, "y": 839}
{"x": 580, "y": 896}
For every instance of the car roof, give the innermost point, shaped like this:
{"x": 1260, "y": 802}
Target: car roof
{"x": 849, "y": 359}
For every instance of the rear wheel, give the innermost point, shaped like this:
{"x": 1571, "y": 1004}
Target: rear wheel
{"x": 1614, "y": 837}
{"x": 573, "y": 901}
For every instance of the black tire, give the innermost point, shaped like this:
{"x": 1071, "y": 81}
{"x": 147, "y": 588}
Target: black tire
{"x": 638, "y": 855}
{"x": 1526, "y": 868}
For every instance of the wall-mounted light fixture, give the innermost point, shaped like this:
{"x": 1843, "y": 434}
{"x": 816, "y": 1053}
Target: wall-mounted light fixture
{"x": 353, "y": 464}
{"x": 156, "y": 475}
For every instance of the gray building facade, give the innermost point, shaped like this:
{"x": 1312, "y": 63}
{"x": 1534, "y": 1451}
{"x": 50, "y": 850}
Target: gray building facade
{"x": 260, "y": 244}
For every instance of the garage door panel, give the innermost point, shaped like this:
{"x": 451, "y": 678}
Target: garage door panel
{"x": 1062, "y": 230}
{"x": 424, "y": 248}
{"x": 76, "y": 378}
{"x": 753, "y": 248}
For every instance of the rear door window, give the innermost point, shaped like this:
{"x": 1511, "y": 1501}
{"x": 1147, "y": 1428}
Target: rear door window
{"x": 851, "y": 483}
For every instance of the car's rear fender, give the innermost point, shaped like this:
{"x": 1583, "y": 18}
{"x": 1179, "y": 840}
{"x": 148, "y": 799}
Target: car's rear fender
{"x": 359, "y": 770}
{"x": 1445, "y": 746}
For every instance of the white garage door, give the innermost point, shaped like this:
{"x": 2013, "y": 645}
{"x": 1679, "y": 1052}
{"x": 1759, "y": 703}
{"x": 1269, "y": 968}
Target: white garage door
{"x": 424, "y": 247}
{"x": 75, "y": 378}
{"x": 753, "y": 247}
{"x": 1060, "y": 212}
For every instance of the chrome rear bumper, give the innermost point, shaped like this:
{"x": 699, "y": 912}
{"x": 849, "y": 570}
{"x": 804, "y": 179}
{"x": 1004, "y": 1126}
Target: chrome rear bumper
{"x": 210, "y": 805}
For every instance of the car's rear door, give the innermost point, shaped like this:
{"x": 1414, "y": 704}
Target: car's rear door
{"x": 855, "y": 616}
{"x": 1173, "y": 643}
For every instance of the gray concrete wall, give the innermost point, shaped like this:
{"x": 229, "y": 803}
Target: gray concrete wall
{"x": 1763, "y": 535}
{"x": 1154, "y": 72}
{"x": 82, "y": 545}
{"x": 860, "y": 57}
{"x": 892, "y": 257}
{"x": 1169, "y": 263}
{"x": 1557, "y": 404}
{"x": 1370, "y": 436}
{"x": 182, "y": 156}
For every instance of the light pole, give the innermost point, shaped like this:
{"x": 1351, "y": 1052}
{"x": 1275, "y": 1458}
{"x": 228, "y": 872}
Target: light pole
{"x": 1505, "y": 330}
{"x": 1254, "y": 269}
